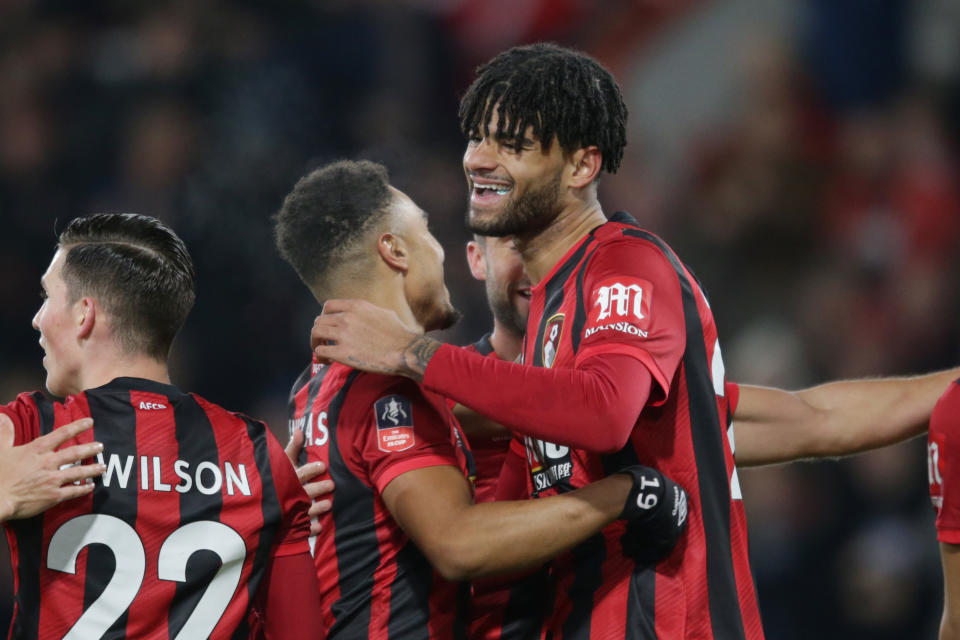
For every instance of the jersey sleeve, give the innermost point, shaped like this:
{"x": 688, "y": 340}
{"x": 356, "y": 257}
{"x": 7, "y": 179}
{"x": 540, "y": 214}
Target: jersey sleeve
{"x": 634, "y": 307}
{"x": 943, "y": 464}
{"x": 24, "y": 414}
{"x": 732, "y": 391}
{"x": 294, "y": 503}
{"x": 398, "y": 430}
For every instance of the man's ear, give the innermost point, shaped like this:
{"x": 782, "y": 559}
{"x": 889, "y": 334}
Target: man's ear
{"x": 585, "y": 165}
{"x": 477, "y": 260}
{"x": 86, "y": 317}
{"x": 393, "y": 251}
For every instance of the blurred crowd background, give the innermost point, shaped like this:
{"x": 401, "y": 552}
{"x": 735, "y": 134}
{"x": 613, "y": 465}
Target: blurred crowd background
{"x": 800, "y": 155}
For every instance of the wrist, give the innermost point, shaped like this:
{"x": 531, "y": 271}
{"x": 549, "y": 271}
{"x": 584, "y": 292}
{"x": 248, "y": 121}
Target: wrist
{"x": 416, "y": 356}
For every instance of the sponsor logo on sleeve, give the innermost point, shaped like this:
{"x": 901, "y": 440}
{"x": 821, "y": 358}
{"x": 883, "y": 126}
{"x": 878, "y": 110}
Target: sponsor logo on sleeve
{"x": 620, "y": 304}
{"x": 551, "y": 339}
{"x": 935, "y": 467}
{"x": 394, "y": 423}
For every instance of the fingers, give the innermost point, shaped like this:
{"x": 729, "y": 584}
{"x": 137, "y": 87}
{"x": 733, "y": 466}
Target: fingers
{"x": 57, "y": 437}
{"x": 294, "y": 447}
{"x": 320, "y": 507}
{"x": 327, "y": 353}
{"x": 310, "y": 471}
{"x": 79, "y": 473}
{"x": 319, "y": 488}
{"x": 325, "y": 330}
{"x": 71, "y": 491}
{"x": 77, "y": 452}
{"x": 6, "y": 431}
{"x": 341, "y": 305}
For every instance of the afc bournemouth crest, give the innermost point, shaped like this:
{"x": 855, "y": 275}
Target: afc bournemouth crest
{"x": 551, "y": 339}
{"x": 394, "y": 423}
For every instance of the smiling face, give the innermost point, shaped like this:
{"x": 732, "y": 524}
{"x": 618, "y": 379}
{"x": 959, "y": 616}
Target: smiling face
{"x": 424, "y": 286}
{"x": 516, "y": 188}
{"x": 58, "y": 324}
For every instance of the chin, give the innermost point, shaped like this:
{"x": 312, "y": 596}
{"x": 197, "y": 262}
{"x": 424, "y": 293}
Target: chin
{"x": 57, "y": 389}
{"x": 443, "y": 319}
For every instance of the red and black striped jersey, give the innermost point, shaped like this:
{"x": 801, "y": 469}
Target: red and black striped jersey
{"x": 369, "y": 429}
{"x": 622, "y": 290}
{"x": 943, "y": 464}
{"x": 505, "y": 608}
{"x": 176, "y": 536}
{"x": 488, "y": 451}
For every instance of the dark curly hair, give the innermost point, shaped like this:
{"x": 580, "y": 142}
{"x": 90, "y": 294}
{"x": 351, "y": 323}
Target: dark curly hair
{"x": 326, "y": 212}
{"x": 138, "y": 269}
{"x": 559, "y": 92}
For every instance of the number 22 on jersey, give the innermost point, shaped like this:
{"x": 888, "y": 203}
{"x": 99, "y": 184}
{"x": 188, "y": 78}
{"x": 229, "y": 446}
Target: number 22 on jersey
{"x": 130, "y": 558}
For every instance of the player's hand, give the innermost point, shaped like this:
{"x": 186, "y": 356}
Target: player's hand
{"x": 316, "y": 489}
{"x": 656, "y": 515}
{"x": 371, "y": 338}
{"x": 31, "y": 478}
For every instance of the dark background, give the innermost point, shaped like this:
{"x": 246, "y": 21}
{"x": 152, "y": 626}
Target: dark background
{"x": 801, "y": 155}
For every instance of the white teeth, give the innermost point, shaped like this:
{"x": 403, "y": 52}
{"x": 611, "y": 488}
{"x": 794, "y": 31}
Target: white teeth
{"x": 499, "y": 190}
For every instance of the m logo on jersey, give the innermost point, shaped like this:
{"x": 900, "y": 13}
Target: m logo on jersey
{"x": 394, "y": 423}
{"x": 623, "y": 299}
{"x": 551, "y": 339}
{"x": 620, "y": 304}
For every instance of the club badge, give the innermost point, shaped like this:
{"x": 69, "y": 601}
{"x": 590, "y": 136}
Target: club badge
{"x": 551, "y": 339}
{"x": 394, "y": 423}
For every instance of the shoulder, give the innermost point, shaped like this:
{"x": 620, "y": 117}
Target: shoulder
{"x": 26, "y": 407}
{"x": 618, "y": 239}
{"x": 375, "y": 384}
{"x": 946, "y": 413}
{"x": 219, "y": 415}
{"x": 372, "y": 394}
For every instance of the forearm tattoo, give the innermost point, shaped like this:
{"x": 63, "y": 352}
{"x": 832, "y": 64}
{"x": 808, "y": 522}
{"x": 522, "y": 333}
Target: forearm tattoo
{"x": 417, "y": 354}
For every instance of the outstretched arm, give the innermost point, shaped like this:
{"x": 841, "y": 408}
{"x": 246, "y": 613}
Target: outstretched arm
{"x": 833, "y": 419}
{"x": 464, "y": 541}
{"x": 31, "y": 475}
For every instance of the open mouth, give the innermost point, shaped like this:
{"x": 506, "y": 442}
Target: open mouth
{"x": 523, "y": 292}
{"x": 489, "y": 191}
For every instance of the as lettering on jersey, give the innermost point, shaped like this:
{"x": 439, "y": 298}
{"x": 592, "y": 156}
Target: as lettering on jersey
{"x": 620, "y": 304}
{"x": 394, "y": 423}
{"x": 552, "y": 333}
{"x": 935, "y": 467}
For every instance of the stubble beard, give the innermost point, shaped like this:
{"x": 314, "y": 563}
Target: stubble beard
{"x": 524, "y": 215}
{"x": 505, "y": 313}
